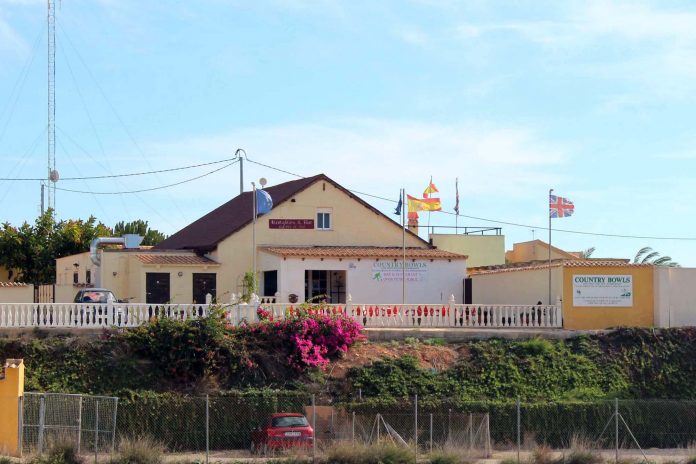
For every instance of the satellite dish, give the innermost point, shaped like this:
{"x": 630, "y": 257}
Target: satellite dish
{"x": 54, "y": 176}
{"x": 263, "y": 182}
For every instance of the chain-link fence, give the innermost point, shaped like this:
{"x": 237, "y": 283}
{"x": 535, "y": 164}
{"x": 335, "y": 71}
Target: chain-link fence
{"x": 86, "y": 422}
{"x": 224, "y": 426}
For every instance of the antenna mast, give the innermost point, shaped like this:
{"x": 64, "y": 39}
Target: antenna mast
{"x": 52, "y": 174}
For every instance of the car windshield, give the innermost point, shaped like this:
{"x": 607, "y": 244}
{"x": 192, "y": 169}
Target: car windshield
{"x": 289, "y": 421}
{"x": 95, "y": 297}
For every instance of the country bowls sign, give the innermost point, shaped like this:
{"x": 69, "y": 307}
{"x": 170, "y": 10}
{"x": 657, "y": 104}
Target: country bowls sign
{"x": 603, "y": 290}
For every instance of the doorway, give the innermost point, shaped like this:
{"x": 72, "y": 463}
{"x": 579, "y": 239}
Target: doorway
{"x": 325, "y": 285}
{"x": 203, "y": 283}
{"x": 157, "y": 287}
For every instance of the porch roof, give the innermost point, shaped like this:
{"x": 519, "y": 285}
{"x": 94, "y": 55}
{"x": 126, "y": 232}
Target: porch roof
{"x": 359, "y": 252}
{"x": 176, "y": 260}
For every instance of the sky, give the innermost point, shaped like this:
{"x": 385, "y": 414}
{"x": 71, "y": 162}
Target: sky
{"x": 594, "y": 99}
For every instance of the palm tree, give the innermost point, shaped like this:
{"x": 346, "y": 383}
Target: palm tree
{"x": 585, "y": 254}
{"x": 647, "y": 255}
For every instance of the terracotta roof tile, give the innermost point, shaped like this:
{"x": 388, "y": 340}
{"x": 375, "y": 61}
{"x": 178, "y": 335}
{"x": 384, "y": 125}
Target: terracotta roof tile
{"x": 555, "y": 263}
{"x": 176, "y": 260}
{"x": 360, "y": 252}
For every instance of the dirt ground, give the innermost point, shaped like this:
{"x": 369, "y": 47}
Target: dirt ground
{"x": 428, "y": 356}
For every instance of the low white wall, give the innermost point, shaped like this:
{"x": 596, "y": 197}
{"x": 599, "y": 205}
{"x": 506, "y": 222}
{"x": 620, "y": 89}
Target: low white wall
{"x": 517, "y": 287}
{"x": 437, "y": 279}
{"x": 675, "y": 296}
{"x": 17, "y": 294}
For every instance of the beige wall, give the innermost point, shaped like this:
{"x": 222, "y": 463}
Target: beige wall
{"x": 641, "y": 314}
{"x": 534, "y": 250}
{"x": 675, "y": 296}
{"x": 482, "y": 250}
{"x": 517, "y": 287}
{"x": 65, "y": 268}
{"x": 353, "y": 224}
{"x": 21, "y": 294}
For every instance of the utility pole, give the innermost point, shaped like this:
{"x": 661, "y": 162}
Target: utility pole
{"x": 238, "y": 154}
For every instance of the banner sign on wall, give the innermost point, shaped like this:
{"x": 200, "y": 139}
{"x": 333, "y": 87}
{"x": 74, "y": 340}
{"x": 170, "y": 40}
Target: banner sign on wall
{"x": 291, "y": 223}
{"x": 390, "y": 271}
{"x": 603, "y": 290}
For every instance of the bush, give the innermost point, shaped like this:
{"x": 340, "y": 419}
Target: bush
{"x": 143, "y": 450}
{"x": 447, "y": 457}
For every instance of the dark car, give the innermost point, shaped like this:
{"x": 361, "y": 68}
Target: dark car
{"x": 282, "y": 431}
{"x": 97, "y": 313}
{"x": 95, "y": 295}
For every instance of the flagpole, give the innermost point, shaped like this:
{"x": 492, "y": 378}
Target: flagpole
{"x": 429, "y": 194}
{"x": 456, "y": 218}
{"x": 403, "y": 244}
{"x": 253, "y": 235}
{"x": 550, "y": 192}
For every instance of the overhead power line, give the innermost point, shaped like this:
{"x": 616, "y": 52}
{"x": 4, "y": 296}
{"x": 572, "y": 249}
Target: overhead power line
{"x": 497, "y": 221}
{"x": 151, "y": 188}
{"x": 111, "y": 176}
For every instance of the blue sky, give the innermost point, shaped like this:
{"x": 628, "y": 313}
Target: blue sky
{"x": 592, "y": 98}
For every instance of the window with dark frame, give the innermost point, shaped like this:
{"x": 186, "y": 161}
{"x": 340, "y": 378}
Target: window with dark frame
{"x": 203, "y": 283}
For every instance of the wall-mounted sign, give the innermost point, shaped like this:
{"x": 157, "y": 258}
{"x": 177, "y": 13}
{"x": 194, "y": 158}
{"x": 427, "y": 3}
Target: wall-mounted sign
{"x": 291, "y": 223}
{"x": 390, "y": 271}
{"x": 603, "y": 290}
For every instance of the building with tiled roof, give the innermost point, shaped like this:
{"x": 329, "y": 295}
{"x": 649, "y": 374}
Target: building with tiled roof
{"x": 319, "y": 240}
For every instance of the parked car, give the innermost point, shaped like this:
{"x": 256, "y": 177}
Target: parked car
{"x": 95, "y": 295}
{"x": 282, "y": 431}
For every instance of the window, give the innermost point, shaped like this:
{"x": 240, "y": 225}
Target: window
{"x": 270, "y": 283}
{"x": 89, "y": 276}
{"x": 324, "y": 219}
{"x": 75, "y": 277}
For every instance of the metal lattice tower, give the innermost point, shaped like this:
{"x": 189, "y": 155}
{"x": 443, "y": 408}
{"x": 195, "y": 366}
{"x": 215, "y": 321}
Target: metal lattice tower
{"x": 52, "y": 174}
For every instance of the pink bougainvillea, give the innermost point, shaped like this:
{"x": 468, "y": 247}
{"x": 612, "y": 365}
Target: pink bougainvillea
{"x": 308, "y": 337}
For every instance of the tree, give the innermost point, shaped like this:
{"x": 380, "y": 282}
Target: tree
{"x": 587, "y": 253}
{"x": 140, "y": 227}
{"x": 646, "y": 255}
{"x": 31, "y": 250}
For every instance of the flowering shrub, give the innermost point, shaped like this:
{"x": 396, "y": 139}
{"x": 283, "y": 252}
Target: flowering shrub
{"x": 309, "y": 336}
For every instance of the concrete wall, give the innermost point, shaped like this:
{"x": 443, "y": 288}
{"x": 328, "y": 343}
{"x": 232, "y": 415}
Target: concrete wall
{"x": 17, "y": 294}
{"x": 638, "y": 315}
{"x": 441, "y": 279}
{"x": 517, "y": 287}
{"x": 353, "y": 224}
{"x": 675, "y": 296}
{"x": 535, "y": 250}
{"x": 482, "y": 250}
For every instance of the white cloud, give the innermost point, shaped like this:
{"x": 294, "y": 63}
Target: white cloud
{"x": 10, "y": 40}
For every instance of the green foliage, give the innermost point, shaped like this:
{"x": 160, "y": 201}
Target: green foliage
{"x": 249, "y": 285}
{"x": 445, "y": 457}
{"x": 139, "y": 227}
{"x": 536, "y": 346}
{"x": 435, "y": 341}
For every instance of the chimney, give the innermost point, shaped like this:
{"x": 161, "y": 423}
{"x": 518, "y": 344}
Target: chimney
{"x": 413, "y": 223}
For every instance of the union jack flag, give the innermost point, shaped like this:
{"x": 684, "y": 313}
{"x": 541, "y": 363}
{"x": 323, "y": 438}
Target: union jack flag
{"x": 560, "y": 207}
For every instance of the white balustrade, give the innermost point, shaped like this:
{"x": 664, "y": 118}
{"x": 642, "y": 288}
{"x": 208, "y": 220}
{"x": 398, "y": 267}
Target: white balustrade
{"x": 450, "y": 315}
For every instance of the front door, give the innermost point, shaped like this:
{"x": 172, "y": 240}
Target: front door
{"x": 203, "y": 284}
{"x": 157, "y": 287}
{"x": 329, "y": 286}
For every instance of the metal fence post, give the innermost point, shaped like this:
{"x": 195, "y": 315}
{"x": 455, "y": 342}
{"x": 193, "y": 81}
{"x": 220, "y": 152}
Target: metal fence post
{"x": 79, "y": 426}
{"x": 314, "y": 427}
{"x": 96, "y": 432}
{"x": 616, "y": 431}
{"x": 352, "y": 433}
{"x": 415, "y": 426}
{"x": 431, "y": 432}
{"x": 207, "y": 427}
{"x": 519, "y": 429}
{"x": 42, "y": 418}
{"x": 449, "y": 426}
{"x": 113, "y": 432}
{"x": 471, "y": 431}
{"x": 20, "y": 432}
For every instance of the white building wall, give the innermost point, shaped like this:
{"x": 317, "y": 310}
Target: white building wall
{"x": 441, "y": 279}
{"x": 517, "y": 287}
{"x": 675, "y": 297}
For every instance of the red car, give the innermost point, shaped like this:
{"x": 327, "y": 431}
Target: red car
{"x": 282, "y": 431}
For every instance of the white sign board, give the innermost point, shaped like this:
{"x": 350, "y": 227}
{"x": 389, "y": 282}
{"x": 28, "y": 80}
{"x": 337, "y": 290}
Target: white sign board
{"x": 390, "y": 271}
{"x": 603, "y": 290}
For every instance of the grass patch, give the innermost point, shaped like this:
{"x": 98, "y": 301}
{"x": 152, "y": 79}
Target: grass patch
{"x": 60, "y": 452}
{"x": 372, "y": 454}
{"x": 142, "y": 450}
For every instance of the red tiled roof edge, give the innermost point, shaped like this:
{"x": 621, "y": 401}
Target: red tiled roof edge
{"x": 358, "y": 251}
{"x": 557, "y": 263}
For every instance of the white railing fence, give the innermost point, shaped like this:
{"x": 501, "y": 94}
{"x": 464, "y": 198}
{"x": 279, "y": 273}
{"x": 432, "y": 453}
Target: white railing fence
{"x": 452, "y": 315}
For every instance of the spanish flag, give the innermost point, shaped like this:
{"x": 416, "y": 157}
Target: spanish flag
{"x": 429, "y": 190}
{"x": 423, "y": 204}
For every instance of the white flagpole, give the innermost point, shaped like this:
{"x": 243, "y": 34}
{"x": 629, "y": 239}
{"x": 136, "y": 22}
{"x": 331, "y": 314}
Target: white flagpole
{"x": 456, "y": 218}
{"x": 403, "y": 243}
{"x": 253, "y": 233}
{"x": 550, "y": 302}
